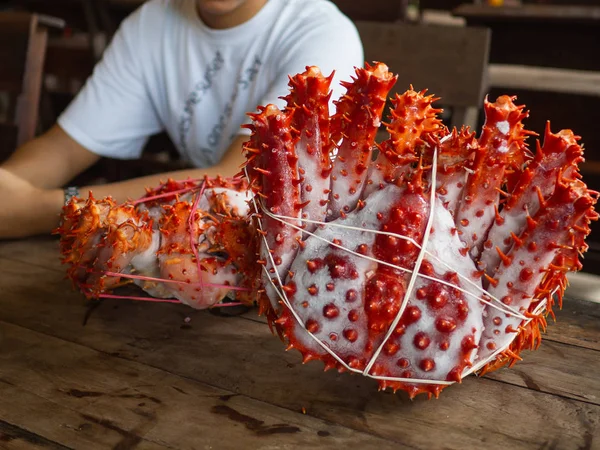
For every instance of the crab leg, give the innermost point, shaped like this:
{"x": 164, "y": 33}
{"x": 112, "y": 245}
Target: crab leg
{"x": 456, "y": 154}
{"x": 273, "y": 168}
{"x": 549, "y": 233}
{"x": 500, "y": 148}
{"x": 559, "y": 155}
{"x": 413, "y": 125}
{"x": 355, "y": 123}
{"x": 308, "y": 105}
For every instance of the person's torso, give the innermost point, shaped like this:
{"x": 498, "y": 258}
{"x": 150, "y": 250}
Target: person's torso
{"x": 203, "y": 82}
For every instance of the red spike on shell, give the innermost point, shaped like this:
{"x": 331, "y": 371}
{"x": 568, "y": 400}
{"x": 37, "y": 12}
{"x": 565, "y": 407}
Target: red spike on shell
{"x": 276, "y": 155}
{"x": 559, "y": 156}
{"x": 413, "y": 126}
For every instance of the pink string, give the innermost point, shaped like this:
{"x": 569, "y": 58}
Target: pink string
{"x": 236, "y": 180}
{"x": 164, "y": 280}
{"x": 160, "y": 300}
{"x": 142, "y": 299}
{"x": 225, "y": 305}
{"x": 191, "y": 231}
{"x": 201, "y": 188}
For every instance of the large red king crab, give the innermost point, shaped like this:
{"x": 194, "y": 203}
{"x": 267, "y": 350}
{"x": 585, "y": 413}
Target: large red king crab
{"x": 438, "y": 258}
{"x": 183, "y": 240}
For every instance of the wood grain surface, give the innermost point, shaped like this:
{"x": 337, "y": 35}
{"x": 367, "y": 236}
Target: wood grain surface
{"x": 141, "y": 376}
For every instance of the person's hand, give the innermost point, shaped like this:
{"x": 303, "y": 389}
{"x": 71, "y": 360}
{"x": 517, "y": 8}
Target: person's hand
{"x": 25, "y": 209}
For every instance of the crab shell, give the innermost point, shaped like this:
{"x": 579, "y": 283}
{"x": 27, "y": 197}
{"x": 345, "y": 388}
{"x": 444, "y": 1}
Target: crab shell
{"x": 182, "y": 240}
{"x": 431, "y": 262}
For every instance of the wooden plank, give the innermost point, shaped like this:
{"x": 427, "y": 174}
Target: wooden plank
{"x": 417, "y": 53}
{"x": 77, "y": 397}
{"x": 567, "y": 81}
{"x": 39, "y": 251}
{"x": 8, "y": 140}
{"x": 529, "y": 35}
{"x": 584, "y": 286}
{"x": 573, "y": 365}
{"x": 241, "y": 355}
{"x": 578, "y": 323}
{"x": 28, "y": 102}
{"x": 29, "y": 420}
{"x": 13, "y": 437}
{"x": 14, "y": 27}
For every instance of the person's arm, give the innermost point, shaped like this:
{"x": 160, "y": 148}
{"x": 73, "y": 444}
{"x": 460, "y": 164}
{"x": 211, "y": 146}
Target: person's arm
{"x": 30, "y": 197}
{"x": 29, "y": 200}
{"x": 50, "y": 160}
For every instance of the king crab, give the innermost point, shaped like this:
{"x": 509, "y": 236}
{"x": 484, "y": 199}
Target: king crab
{"x": 438, "y": 258}
{"x": 185, "y": 240}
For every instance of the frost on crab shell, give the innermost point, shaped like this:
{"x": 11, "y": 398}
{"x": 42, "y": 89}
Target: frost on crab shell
{"x": 340, "y": 289}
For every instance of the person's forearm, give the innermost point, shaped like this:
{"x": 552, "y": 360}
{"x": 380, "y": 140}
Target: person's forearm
{"x": 30, "y": 218}
{"x": 48, "y": 217}
{"x": 32, "y": 208}
{"x": 42, "y": 215}
{"x": 50, "y": 160}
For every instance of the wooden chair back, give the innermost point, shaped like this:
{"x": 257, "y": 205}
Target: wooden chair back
{"x": 449, "y": 61}
{"x": 22, "y": 51}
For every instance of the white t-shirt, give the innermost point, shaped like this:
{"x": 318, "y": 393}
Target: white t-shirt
{"x": 166, "y": 70}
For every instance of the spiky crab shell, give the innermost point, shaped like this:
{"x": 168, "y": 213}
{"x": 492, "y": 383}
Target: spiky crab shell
{"x": 100, "y": 237}
{"x": 182, "y": 240}
{"x": 391, "y": 284}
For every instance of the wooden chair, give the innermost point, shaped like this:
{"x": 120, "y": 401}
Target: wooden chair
{"x": 448, "y": 61}
{"x": 22, "y": 50}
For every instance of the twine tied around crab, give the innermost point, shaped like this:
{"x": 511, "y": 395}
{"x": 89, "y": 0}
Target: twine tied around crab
{"x": 155, "y": 242}
{"x": 494, "y": 302}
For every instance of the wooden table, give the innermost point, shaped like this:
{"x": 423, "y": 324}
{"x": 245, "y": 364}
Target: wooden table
{"x": 140, "y": 376}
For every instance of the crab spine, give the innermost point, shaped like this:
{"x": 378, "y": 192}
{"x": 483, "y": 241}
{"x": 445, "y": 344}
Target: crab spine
{"x": 308, "y": 105}
{"x": 355, "y": 124}
{"x": 548, "y": 233}
{"x": 501, "y": 146}
{"x": 413, "y": 125}
{"x": 559, "y": 156}
{"x": 273, "y": 168}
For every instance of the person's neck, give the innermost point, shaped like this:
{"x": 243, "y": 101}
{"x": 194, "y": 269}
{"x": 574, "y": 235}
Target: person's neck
{"x": 243, "y": 13}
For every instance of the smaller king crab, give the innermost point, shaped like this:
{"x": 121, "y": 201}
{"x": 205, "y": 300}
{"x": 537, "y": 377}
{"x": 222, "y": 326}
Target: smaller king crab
{"x": 438, "y": 258}
{"x": 182, "y": 240}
